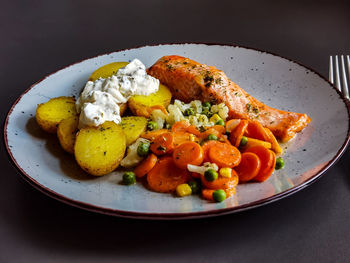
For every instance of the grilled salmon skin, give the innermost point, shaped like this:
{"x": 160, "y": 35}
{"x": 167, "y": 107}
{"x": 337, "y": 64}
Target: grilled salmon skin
{"x": 189, "y": 80}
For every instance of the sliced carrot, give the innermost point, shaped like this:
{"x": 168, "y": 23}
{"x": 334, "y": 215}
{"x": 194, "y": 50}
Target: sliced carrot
{"x": 254, "y": 142}
{"x": 232, "y": 124}
{"x": 181, "y": 137}
{"x": 166, "y": 176}
{"x": 221, "y": 182}
{"x": 151, "y": 135}
{"x": 204, "y": 135}
{"x": 208, "y": 194}
{"x": 257, "y": 131}
{"x": 221, "y": 129}
{"x": 249, "y": 167}
{"x": 193, "y": 129}
{"x": 180, "y": 126}
{"x": 224, "y": 155}
{"x": 146, "y": 165}
{"x": 206, "y": 146}
{"x": 163, "y": 143}
{"x": 187, "y": 153}
{"x": 237, "y": 134}
{"x": 274, "y": 143}
{"x": 195, "y": 175}
{"x": 267, "y": 159}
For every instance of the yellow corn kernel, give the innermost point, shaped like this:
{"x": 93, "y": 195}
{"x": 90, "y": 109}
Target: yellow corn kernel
{"x": 215, "y": 118}
{"x": 183, "y": 190}
{"x": 226, "y": 172}
{"x": 192, "y": 137}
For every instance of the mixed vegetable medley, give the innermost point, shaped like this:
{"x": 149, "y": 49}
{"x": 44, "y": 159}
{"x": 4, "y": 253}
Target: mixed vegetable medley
{"x": 191, "y": 148}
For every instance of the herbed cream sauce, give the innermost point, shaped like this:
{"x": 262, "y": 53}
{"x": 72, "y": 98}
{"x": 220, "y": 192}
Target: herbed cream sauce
{"x": 100, "y": 99}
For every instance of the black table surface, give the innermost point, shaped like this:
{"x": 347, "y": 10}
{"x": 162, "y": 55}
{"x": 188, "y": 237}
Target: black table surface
{"x": 38, "y": 37}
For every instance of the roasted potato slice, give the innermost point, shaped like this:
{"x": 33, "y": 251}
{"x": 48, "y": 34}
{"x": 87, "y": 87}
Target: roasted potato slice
{"x": 99, "y": 150}
{"x": 107, "y": 70}
{"x": 66, "y": 132}
{"x": 133, "y": 127}
{"x": 49, "y": 114}
{"x": 144, "y": 105}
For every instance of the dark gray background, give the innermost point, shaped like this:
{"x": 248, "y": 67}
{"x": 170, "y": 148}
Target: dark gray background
{"x": 39, "y": 37}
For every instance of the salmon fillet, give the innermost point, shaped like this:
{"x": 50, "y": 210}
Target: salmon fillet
{"x": 189, "y": 80}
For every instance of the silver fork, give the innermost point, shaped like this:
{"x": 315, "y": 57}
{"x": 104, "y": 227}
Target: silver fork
{"x": 340, "y": 73}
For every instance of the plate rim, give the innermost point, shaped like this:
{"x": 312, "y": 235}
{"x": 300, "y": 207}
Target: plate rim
{"x": 175, "y": 216}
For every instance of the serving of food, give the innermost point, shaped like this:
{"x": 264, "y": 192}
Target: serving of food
{"x": 221, "y": 137}
{"x": 146, "y": 133}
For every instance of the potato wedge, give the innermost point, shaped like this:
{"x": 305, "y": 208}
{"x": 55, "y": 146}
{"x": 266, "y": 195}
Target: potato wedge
{"x": 144, "y": 105}
{"x": 66, "y": 132}
{"x": 49, "y": 114}
{"x": 133, "y": 127}
{"x": 107, "y": 70}
{"x": 99, "y": 150}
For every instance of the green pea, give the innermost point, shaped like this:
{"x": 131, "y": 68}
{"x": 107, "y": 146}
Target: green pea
{"x": 143, "y": 149}
{"x": 210, "y": 175}
{"x": 244, "y": 141}
{"x": 206, "y": 104}
{"x": 151, "y": 125}
{"x": 212, "y": 137}
{"x": 220, "y": 122}
{"x": 129, "y": 178}
{"x": 195, "y": 186}
{"x": 219, "y": 195}
{"x": 189, "y": 112}
{"x": 279, "y": 163}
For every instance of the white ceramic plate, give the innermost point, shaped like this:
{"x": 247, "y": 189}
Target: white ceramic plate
{"x": 279, "y": 82}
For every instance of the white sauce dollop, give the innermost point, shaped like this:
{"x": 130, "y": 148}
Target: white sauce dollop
{"x": 100, "y": 99}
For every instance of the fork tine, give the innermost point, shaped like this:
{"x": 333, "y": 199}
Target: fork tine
{"x": 345, "y": 89}
{"x": 331, "y": 78}
{"x": 337, "y": 75}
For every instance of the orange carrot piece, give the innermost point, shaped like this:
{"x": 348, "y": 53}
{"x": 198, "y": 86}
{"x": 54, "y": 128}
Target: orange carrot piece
{"x": 163, "y": 143}
{"x": 151, "y": 135}
{"x": 146, "y": 165}
{"x": 237, "y": 134}
{"x": 224, "y": 155}
{"x": 159, "y": 107}
{"x": 195, "y": 175}
{"x": 221, "y": 182}
{"x": 267, "y": 159}
{"x": 274, "y": 143}
{"x": 187, "y": 153}
{"x": 180, "y": 126}
{"x": 206, "y": 146}
{"x": 208, "y": 194}
{"x": 257, "y": 131}
{"x": 193, "y": 129}
{"x": 166, "y": 176}
{"x": 204, "y": 135}
{"x": 181, "y": 137}
{"x": 249, "y": 167}
{"x": 232, "y": 124}
{"x": 221, "y": 129}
